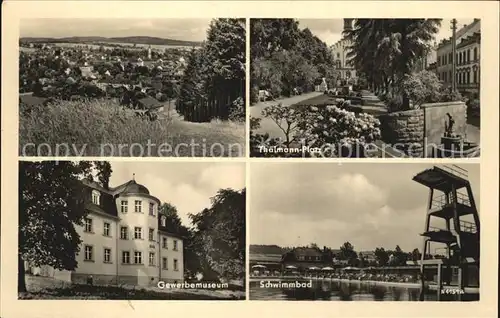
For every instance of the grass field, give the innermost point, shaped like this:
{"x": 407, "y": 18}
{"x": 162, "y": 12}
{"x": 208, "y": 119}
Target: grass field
{"x": 49, "y": 288}
{"x": 103, "y": 128}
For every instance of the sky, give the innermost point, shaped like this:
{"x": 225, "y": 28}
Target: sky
{"x": 188, "y": 186}
{"x": 177, "y": 29}
{"x": 369, "y": 205}
{"x": 330, "y": 30}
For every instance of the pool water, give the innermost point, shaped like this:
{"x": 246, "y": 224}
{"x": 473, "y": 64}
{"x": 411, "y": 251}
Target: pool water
{"x": 343, "y": 291}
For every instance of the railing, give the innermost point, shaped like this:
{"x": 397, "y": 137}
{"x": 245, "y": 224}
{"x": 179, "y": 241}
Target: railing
{"x": 469, "y": 227}
{"x": 465, "y": 226}
{"x": 456, "y": 170}
{"x": 440, "y": 201}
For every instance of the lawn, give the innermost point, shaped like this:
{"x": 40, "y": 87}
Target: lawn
{"x": 325, "y": 100}
{"x": 103, "y": 128}
{"x": 49, "y": 288}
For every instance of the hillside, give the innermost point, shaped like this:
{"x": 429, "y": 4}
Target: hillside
{"x": 129, "y": 39}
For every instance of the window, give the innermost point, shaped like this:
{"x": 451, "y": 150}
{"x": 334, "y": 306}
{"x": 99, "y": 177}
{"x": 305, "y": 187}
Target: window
{"x": 138, "y": 206}
{"x": 175, "y": 245}
{"x": 89, "y": 253}
{"x": 164, "y": 242}
{"x": 450, "y": 57}
{"x": 163, "y": 221}
{"x": 138, "y": 233}
{"x": 107, "y": 229}
{"x": 468, "y": 56}
{"x": 124, "y": 233}
{"x": 107, "y": 255}
{"x": 176, "y": 265}
{"x": 151, "y": 259}
{"x": 439, "y": 61}
{"x": 338, "y": 55}
{"x": 475, "y": 77}
{"x": 96, "y": 196}
{"x": 138, "y": 257}
{"x": 124, "y": 206}
{"x": 468, "y": 77}
{"x": 151, "y": 209}
{"x": 475, "y": 53}
{"x": 164, "y": 263}
{"x": 151, "y": 234}
{"x": 88, "y": 225}
{"x": 126, "y": 257}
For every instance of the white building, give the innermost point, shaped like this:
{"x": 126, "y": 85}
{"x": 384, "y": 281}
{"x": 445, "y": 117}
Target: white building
{"x": 340, "y": 50}
{"x": 124, "y": 240}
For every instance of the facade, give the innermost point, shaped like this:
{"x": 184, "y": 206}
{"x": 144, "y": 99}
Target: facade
{"x": 467, "y": 38}
{"x": 124, "y": 240}
{"x": 306, "y": 257}
{"x": 369, "y": 256}
{"x": 339, "y": 51}
{"x": 468, "y": 65}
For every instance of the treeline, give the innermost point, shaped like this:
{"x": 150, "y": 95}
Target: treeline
{"x": 214, "y": 245}
{"x": 285, "y": 57}
{"x": 385, "y": 52}
{"x": 213, "y": 85}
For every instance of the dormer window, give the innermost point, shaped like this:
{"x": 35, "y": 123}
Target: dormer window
{"x": 96, "y": 197}
{"x": 163, "y": 221}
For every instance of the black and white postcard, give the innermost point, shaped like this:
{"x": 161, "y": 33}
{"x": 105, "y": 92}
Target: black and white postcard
{"x": 348, "y": 232}
{"x": 132, "y": 87}
{"x": 124, "y": 230}
{"x": 379, "y": 88}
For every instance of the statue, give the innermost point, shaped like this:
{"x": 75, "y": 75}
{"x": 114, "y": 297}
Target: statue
{"x": 448, "y": 128}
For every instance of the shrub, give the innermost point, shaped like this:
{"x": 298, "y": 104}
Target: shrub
{"x": 88, "y": 124}
{"x": 329, "y": 126}
{"x": 237, "y": 110}
{"x": 473, "y": 107}
{"x": 422, "y": 87}
{"x": 449, "y": 96}
{"x": 254, "y": 94}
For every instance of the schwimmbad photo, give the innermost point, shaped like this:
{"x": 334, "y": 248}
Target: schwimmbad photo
{"x": 325, "y": 231}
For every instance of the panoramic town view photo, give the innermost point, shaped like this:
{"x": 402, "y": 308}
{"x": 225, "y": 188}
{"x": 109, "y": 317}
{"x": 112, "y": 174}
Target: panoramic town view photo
{"x": 126, "y": 230}
{"x": 132, "y": 87}
{"x": 365, "y": 88}
{"x": 351, "y": 233}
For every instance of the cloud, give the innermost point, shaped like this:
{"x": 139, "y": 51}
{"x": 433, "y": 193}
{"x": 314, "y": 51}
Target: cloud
{"x": 187, "y": 186}
{"x": 369, "y": 205}
{"x": 179, "y": 29}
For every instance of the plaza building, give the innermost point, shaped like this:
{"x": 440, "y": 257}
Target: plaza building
{"x": 468, "y": 40}
{"x": 340, "y": 49}
{"x": 125, "y": 240}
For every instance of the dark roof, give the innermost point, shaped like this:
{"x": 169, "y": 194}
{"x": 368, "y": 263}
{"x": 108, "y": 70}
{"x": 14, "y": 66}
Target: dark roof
{"x": 131, "y": 187}
{"x": 107, "y": 202}
{"x": 266, "y": 249}
{"x": 474, "y": 38}
{"x": 169, "y": 228}
{"x": 306, "y": 251}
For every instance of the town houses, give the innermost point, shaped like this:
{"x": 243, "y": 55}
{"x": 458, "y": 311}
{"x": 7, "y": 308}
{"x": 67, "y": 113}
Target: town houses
{"x": 467, "y": 59}
{"x": 125, "y": 240}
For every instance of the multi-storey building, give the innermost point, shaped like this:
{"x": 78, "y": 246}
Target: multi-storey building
{"x": 340, "y": 50}
{"x": 467, "y": 38}
{"x": 124, "y": 239}
{"x": 468, "y": 64}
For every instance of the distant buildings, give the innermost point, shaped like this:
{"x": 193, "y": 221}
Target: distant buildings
{"x": 340, "y": 50}
{"x": 468, "y": 46}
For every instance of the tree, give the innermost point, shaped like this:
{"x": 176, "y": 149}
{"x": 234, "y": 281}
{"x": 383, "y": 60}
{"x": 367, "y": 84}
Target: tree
{"x": 51, "y": 203}
{"x": 347, "y": 253}
{"x": 219, "y": 235}
{"x": 416, "y": 255}
{"x": 382, "y": 256}
{"x": 387, "y": 49}
{"x": 103, "y": 172}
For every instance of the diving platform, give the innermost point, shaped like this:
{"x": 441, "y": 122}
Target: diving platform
{"x": 443, "y": 178}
